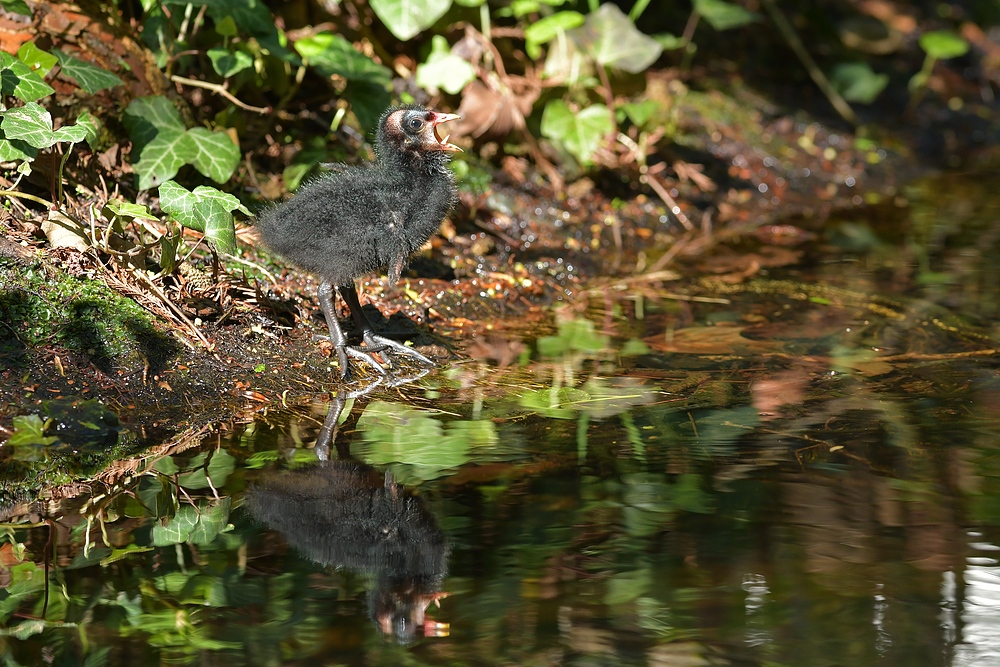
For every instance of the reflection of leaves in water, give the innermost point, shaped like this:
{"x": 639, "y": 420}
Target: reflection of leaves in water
{"x": 196, "y": 525}
{"x": 627, "y": 586}
{"x": 719, "y": 430}
{"x": 396, "y": 433}
{"x": 574, "y": 335}
{"x": 652, "y": 500}
{"x": 599, "y": 398}
{"x": 220, "y": 466}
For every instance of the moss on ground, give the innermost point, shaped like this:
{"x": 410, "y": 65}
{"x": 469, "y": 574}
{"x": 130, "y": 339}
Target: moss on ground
{"x": 45, "y": 308}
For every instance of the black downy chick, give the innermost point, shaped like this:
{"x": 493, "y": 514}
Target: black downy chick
{"x": 360, "y": 219}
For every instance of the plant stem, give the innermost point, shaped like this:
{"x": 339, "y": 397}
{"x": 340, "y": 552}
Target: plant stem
{"x": 788, "y": 32}
{"x": 24, "y": 195}
{"x": 637, "y": 9}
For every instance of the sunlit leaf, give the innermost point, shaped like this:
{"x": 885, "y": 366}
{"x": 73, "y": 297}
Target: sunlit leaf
{"x": 227, "y": 63}
{"x": 38, "y": 60}
{"x": 216, "y": 156}
{"x": 546, "y": 29}
{"x": 580, "y": 133}
{"x": 444, "y": 69}
{"x": 206, "y": 210}
{"x": 33, "y": 125}
{"x": 91, "y": 126}
{"x": 332, "y": 54}
{"x": 612, "y": 40}
{"x": 670, "y": 42}
{"x": 724, "y": 15}
{"x": 18, "y": 80}
{"x": 856, "y": 82}
{"x": 638, "y": 113}
{"x": 942, "y": 44}
{"x": 162, "y": 157}
{"x": 406, "y": 18}
{"x": 88, "y": 76}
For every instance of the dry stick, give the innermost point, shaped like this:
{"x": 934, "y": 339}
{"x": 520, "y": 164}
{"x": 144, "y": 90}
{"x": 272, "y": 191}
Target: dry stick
{"x": 661, "y": 191}
{"x": 218, "y": 88}
{"x": 172, "y": 306}
{"x": 788, "y": 32}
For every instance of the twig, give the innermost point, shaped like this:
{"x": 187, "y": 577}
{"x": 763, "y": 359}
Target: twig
{"x": 172, "y": 306}
{"x": 221, "y": 90}
{"x": 788, "y": 32}
{"x": 661, "y": 191}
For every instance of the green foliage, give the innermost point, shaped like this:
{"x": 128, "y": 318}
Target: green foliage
{"x": 88, "y": 76}
{"x": 205, "y": 210}
{"x": 723, "y": 15}
{"x": 444, "y": 70}
{"x": 32, "y": 124}
{"x": 19, "y": 80}
{"x": 30, "y": 430}
{"x": 580, "y": 133}
{"x": 612, "y": 40}
{"x": 856, "y": 82}
{"x": 548, "y": 28}
{"x": 406, "y": 18}
{"x": 165, "y": 144}
{"x": 228, "y": 63}
{"x": 942, "y": 45}
{"x": 38, "y": 60}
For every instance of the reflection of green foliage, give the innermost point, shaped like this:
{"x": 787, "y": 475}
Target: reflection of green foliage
{"x": 576, "y": 335}
{"x": 396, "y": 433}
{"x": 197, "y": 525}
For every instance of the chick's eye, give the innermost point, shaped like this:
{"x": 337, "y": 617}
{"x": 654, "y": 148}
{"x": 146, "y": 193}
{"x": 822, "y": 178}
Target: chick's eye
{"x": 414, "y": 123}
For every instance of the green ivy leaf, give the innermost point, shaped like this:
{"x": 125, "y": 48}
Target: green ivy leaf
{"x": 36, "y": 59}
{"x": 943, "y": 45}
{"x": 724, "y": 15}
{"x": 16, "y": 7}
{"x": 145, "y": 116}
{"x": 91, "y": 126}
{"x": 18, "y": 80}
{"x": 88, "y": 76}
{"x": 856, "y": 82}
{"x": 406, "y": 18}
{"x": 368, "y": 101}
{"x": 206, "y": 210}
{"x": 332, "y": 54}
{"x": 612, "y": 40}
{"x": 227, "y": 63}
{"x": 444, "y": 69}
{"x": 216, "y": 156}
{"x": 33, "y": 125}
{"x": 546, "y": 29}
{"x": 15, "y": 149}
{"x": 580, "y": 133}
{"x": 162, "y": 157}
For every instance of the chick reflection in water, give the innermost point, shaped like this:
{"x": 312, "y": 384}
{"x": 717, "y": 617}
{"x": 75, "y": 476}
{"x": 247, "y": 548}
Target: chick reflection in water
{"x": 350, "y": 515}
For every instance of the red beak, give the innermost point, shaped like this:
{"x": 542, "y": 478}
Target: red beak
{"x": 437, "y": 119}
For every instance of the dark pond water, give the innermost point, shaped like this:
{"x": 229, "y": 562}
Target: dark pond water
{"x": 799, "y": 469}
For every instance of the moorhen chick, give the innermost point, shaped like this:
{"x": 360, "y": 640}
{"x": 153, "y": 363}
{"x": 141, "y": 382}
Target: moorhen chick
{"x": 359, "y": 219}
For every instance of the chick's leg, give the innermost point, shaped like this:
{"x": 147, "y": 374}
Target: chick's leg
{"x": 374, "y": 342}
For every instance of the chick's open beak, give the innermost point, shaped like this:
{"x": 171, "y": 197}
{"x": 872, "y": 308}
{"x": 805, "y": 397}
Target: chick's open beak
{"x": 437, "y": 119}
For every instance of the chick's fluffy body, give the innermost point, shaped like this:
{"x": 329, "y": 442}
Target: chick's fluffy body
{"x": 360, "y": 219}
